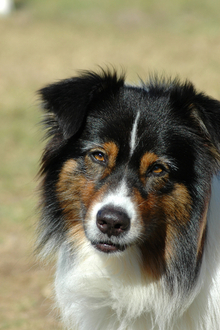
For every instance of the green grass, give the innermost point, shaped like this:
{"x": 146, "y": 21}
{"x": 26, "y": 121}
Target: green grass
{"x": 181, "y": 15}
{"x": 44, "y": 41}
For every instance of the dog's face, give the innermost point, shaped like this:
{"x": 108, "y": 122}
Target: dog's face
{"x": 130, "y": 166}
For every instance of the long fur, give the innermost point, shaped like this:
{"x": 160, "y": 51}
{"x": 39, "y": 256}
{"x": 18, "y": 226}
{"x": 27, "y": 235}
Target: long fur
{"x": 146, "y": 157}
{"x": 110, "y": 293}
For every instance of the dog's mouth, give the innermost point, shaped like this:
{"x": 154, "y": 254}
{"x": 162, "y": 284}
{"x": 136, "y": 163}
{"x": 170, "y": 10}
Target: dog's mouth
{"x": 108, "y": 247}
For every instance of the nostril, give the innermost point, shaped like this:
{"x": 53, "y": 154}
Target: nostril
{"x": 102, "y": 225}
{"x": 112, "y": 221}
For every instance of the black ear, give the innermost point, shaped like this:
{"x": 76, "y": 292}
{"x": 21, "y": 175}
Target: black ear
{"x": 66, "y": 102}
{"x": 206, "y": 112}
{"x": 199, "y": 110}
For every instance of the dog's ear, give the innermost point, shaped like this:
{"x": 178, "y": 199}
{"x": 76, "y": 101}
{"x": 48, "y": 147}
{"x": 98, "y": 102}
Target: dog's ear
{"x": 202, "y": 111}
{"x": 66, "y": 102}
{"x": 206, "y": 112}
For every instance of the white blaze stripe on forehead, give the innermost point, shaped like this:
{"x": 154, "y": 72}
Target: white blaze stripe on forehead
{"x": 133, "y": 140}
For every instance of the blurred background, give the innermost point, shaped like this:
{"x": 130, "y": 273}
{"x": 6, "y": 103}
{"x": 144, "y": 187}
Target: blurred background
{"x": 42, "y": 41}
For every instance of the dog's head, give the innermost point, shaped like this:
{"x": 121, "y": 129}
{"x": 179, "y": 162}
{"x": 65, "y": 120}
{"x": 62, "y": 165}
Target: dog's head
{"x": 129, "y": 166}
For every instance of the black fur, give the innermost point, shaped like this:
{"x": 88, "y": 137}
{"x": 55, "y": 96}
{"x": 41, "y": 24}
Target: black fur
{"x": 176, "y": 121}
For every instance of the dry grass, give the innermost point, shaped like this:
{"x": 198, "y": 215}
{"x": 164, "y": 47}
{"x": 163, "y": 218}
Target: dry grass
{"x": 43, "y": 42}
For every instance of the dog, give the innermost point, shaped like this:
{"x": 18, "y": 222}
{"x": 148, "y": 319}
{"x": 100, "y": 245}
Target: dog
{"x": 130, "y": 202}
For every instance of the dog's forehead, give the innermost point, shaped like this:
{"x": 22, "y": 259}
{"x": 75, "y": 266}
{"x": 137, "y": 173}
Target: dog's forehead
{"x": 134, "y": 121}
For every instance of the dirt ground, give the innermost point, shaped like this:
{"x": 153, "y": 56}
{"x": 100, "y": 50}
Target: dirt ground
{"x": 26, "y": 288}
{"x": 38, "y": 47}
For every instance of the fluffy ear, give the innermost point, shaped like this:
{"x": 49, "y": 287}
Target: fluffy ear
{"x": 206, "y": 111}
{"x": 203, "y": 112}
{"x": 66, "y": 102}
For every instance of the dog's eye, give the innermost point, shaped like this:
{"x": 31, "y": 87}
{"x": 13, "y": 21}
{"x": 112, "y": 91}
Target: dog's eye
{"x": 158, "y": 170}
{"x": 99, "y": 157}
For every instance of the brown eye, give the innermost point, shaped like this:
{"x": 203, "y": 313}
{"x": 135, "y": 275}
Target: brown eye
{"x": 99, "y": 157}
{"x": 158, "y": 170}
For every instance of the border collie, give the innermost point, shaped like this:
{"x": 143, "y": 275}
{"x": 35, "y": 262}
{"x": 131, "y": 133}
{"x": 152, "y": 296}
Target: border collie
{"x": 130, "y": 201}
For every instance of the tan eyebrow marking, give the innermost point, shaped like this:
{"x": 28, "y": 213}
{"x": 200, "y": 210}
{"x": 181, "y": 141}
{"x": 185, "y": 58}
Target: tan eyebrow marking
{"x": 112, "y": 151}
{"x": 148, "y": 159}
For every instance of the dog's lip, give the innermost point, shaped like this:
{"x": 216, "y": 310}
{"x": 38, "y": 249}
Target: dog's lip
{"x": 108, "y": 247}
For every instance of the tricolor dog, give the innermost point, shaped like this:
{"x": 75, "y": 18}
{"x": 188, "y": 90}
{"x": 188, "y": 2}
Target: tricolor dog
{"x": 130, "y": 201}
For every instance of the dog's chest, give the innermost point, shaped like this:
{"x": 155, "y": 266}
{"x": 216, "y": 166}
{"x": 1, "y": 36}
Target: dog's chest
{"x": 104, "y": 293}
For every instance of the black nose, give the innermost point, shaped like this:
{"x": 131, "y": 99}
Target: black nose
{"x": 112, "y": 221}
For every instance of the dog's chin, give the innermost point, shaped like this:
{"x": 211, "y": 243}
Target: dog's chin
{"x": 108, "y": 247}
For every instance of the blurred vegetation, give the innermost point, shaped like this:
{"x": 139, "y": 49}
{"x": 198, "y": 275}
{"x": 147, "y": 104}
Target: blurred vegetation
{"x": 180, "y": 15}
{"x": 45, "y": 40}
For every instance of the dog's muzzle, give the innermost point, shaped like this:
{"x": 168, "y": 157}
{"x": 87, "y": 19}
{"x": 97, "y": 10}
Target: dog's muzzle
{"x": 113, "y": 222}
